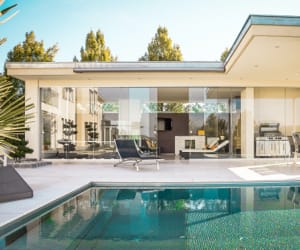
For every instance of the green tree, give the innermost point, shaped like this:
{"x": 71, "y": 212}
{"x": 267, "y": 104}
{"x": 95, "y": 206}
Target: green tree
{"x": 32, "y": 51}
{"x": 22, "y": 149}
{"x": 28, "y": 51}
{"x": 75, "y": 59}
{"x": 95, "y": 49}
{"x": 224, "y": 55}
{"x": 161, "y": 48}
{"x": 174, "y": 107}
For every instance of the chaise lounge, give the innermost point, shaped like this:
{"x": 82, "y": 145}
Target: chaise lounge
{"x": 200, "y": 153}
{"x": 128, "y": 151}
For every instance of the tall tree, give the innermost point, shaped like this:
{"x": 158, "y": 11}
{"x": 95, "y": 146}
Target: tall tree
{"x": 32, "y": 51}
{"x": 161, "y": 48}
{"x": 28, "y": 51}
{"x": 95, "y": 49}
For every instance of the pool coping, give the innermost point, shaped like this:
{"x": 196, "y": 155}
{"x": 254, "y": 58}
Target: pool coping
{"x": 26, "y": 218}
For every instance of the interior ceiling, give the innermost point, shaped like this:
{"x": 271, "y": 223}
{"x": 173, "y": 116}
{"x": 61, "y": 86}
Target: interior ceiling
{"x": 223, "y": 93}
{"x": 173, "y": 94}
{"x": 268, "y": 58}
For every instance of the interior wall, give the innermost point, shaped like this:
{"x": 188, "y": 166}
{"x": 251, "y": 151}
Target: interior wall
{"x": 280, "y": 105}
{"x": 180, "y": 127}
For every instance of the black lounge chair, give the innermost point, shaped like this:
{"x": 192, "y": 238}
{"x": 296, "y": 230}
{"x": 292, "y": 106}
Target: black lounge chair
{"x": 128, "y": 151}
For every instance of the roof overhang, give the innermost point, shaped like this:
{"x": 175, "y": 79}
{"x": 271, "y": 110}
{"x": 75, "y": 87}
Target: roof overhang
{"x": 265, "y": 53}
{"x": 266, "y": 50}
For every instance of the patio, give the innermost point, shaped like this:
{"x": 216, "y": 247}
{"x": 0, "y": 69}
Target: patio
{"x": 52, "y": 182}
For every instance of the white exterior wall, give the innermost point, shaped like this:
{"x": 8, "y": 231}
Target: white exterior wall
{"x": 281, "y": 105}
{"x": 247, "y": 123}
{"x": 34, "y": 136}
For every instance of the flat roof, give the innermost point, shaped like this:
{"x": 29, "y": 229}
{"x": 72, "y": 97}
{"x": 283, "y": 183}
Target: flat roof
{"x": 263, "y": 54}
{"x": 217, "y": 66}
{"x": 82, "y": 67}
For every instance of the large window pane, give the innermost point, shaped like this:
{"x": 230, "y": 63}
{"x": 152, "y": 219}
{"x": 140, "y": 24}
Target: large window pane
{"x": 84, "y": 122}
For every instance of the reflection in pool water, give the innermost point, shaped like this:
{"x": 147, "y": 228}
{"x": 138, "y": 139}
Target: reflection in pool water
{"x": 199, "y": 218}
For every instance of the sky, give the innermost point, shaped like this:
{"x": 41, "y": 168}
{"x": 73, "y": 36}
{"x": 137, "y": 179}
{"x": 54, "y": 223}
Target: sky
{"x": 202, "y": 28}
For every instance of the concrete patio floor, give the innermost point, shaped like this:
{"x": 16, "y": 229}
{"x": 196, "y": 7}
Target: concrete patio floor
{"x": 52, "y": 182}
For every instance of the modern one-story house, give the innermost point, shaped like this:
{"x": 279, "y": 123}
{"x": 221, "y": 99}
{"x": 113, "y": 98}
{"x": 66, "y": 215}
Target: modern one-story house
{"x": 252, "y": 99}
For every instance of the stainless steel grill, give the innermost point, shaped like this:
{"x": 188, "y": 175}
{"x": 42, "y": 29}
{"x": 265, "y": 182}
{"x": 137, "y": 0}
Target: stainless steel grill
{"x": 270, "y": 142}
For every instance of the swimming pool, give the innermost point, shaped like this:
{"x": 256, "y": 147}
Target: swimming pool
{"x": 227, "y": 217}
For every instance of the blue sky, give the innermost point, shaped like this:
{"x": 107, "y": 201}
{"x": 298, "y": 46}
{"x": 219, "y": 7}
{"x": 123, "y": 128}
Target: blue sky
{"x": 203, "y": 29}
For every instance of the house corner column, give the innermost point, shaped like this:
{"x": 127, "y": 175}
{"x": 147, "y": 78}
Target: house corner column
{"x": 33, "y": 135}
{"x": 247, "y": 123}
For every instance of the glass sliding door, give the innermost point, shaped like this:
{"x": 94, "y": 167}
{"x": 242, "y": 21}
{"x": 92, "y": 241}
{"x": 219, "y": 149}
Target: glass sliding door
{"x": 212, "y": 117}
{"x": 130, "y": 113}
{"x": 235, "y": 123}
{"x": 88, "y": 122}
{"x": 58, "y": 115}
{"x": 71, "y": 122}
{"x": 83, "y": 122}
{"x": 216, "y": 124}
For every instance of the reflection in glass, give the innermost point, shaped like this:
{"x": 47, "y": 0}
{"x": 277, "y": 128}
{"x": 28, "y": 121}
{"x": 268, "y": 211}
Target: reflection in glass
{"x": 167, "y": 117}
{"x": 84, "y": 122}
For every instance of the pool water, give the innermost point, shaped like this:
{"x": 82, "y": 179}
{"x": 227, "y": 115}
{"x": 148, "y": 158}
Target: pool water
{"x": 199, "y": 218}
